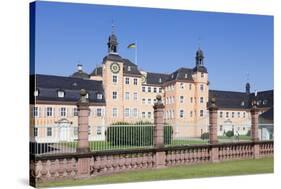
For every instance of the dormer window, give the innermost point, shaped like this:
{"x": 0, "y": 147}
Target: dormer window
{"x": 36, "y": 92}
{"x": 87, "y": 95}
{"x": 99, "y": 96}
{"x": 259, "y": 102}
{"x": 242, "y": 103}
{"x": 129, "y": 68}
{"x": 172, "y": 76}
{"x": 160, "y": 80}
{"x": 265, "y": 102}
{"x": 60, "y": 94}
{"x": 185, "y": 75}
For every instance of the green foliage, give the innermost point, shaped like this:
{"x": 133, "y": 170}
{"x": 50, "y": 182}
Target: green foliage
{"x": 229, "y": 134}
{"x": 205, "y": 135}
{"x": 135, "y": 135}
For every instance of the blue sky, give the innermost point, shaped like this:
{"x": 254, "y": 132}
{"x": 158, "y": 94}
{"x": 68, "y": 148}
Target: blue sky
{"x": 234, "y": 45}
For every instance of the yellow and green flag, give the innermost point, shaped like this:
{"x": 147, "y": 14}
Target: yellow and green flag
{"x": 132, "y": 45}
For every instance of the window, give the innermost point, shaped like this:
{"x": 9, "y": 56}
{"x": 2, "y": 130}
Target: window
{"x": 201, "y": 113}
{"x": 127, "y": 80}
{"x": 232, "y": 115}
{"x": 36, "y": 92}
{"x": 149, "y": 89}
{"x": 143, "y": 114}
{"x": 221, "y": 114}
{"x": 127, "y": 112}
{"x": 181, "y": 99}
{"x": 221, "y": 128}
{"x": 99, "y": 96}
{"x": 191, "y": 99}
{"x": 201, "y": 87}
{"x": 265, "y": 102}
{"x": 98, "y": 112}
{"x": 49, "y": 131}
{"x": 35, "y": 112}
{"x": 114, "y": 112}
{"x": 238, "y": 114}
{"x": 201, "y": 99}
{"x": 35, "y": 132}
{"x": 160, "y": 80}
{"x": 62, "y": 111}
{"x": 135, "y": 96}
{"x": 143, "y": 101}
{"x": 227, "y": 114}
{"x": 242, "y": 103}
{"x": 114, "y": 78}
{"x": 181, "y": 113}
{"x": 143, "y": 89}
{"x": 75, "y": 112}
{"x": 49, "y": 111}
{"x": 244, "y": 114}
{"x": 135, "y": 112}
{"x": 87, "y": 95}
{"x": 149, "y": 114}
{"x": 155, "y": 90}
{"x": 114, "y": 95}
{"x": 127, "y": 95}
{"x": 99, "y": 130}
{"x": 149, "y": 101}
{"x": 182, "y": 85}
{"x": 190, "y": 86}
{"x": 60, "y": 94}
{"x": 160, "y": 90}
{"x": 185, "y": 75}
{"x": 190, "y": 113}
{"x": 135, "y": 81}
{"x": 129, "y": 68}
{"x": 202, "y": 74}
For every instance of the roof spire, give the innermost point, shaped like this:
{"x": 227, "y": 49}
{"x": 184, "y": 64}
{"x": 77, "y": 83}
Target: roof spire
{"x": 112, "y": 27}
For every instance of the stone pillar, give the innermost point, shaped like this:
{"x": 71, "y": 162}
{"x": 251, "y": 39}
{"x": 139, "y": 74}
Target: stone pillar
{"x": 213, "y": 121}
{"x": 83, "y": 122}
{"x": 254, "y": 122}
{"x": 213, "y": 136}
{"x": 254, "y": 129}
{"x": 158, "y": 137}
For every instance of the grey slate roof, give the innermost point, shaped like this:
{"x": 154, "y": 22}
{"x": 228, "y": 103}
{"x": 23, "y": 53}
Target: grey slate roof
{"x": 133, "y": 68}
{"x": 80, "y": 74}
{"x": 48, "y": 86}
{"x": 268, "y": 115}
{"x": 229, "y": 99}
{"x": 181, "y": 74}
{"x": 154, "y": 78}
{"x": 200, "y": 69}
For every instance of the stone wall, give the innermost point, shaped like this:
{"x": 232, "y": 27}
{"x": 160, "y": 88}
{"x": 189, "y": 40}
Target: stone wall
{"x": 72, "y": 166}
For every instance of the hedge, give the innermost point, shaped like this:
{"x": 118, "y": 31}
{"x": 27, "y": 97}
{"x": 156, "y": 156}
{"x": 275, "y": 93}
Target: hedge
{"x": 135, "y": 135}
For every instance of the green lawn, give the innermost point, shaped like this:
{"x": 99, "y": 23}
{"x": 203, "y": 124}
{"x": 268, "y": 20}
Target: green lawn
{"x": 238, "y": 167}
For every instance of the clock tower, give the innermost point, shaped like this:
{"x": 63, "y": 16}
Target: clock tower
{"x": 113, "y": 82}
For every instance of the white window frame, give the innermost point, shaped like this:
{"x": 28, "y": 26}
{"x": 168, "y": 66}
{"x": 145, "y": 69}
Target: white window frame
{"x": 135, "y": 81}
{"x": 144, "y": 89}
{"x": 114, "y": 79}
{"x": 99, "y": 112}
{"x": 127, "y": 96}
{"x": 181, "y": 99}
{"x": 135, "y": 96}
{"x": 99, "y": 96}
{"x": 181, "y": 113}
{"x": 60, "y": 94}
{"x": 201, "y": 113}
{"x": 201, "y": 99}
{"x": 114, "y": 112}
{"x": 63, "y": 112}
{"x": 127, "y": 80}
{"x": 49, "y": 111}
{"x": 35, "y": 111}
{"x": 49, "y": 132}
{"x": 127, "y": 112}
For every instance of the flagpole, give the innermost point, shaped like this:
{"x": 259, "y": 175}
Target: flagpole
{"x": 136, "y": 53}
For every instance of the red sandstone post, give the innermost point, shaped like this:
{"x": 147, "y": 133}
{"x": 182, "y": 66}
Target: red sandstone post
{"x": 213, "y": 119}
{"x": 158, "y": 122}
{"x": 158, "y": 137}
{"x": 83, "y": 122}
{"x": 254, "y": 121}
{"x": 254, "y": 129}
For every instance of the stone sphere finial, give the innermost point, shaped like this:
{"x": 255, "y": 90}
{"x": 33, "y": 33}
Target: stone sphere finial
{"x": 158, "y": 97}
{"x": 213, "y": 100}
{"x": 83, "y": 92}
{"x": 83, "y": 98}
{"x": 212, "y": 105}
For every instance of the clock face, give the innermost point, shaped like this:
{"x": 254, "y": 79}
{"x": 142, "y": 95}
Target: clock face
{"x": 114, "y": 67}
{"x": 143, "y": 79}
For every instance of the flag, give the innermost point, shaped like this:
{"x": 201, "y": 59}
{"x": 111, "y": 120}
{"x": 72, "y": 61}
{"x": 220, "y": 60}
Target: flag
{"x": 132, "y": 45}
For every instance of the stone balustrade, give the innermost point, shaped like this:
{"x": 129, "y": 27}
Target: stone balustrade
{"x": 58, "y": 167}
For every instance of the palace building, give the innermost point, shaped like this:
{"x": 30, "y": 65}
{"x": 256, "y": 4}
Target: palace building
{"x": 119, "y": 91}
